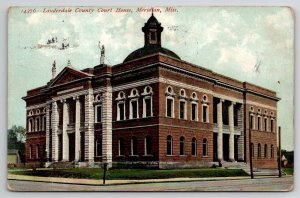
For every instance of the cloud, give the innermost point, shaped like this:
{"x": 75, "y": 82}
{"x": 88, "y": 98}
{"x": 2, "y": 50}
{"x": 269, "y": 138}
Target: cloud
{"x": 38, "y": 18}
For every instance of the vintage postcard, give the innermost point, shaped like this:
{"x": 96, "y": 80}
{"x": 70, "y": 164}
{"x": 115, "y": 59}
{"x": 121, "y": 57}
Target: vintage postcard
{"x": 150, "y": 98}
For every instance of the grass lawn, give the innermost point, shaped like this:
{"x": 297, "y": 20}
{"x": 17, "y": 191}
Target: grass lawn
{"x": 289, "y": 171}
{"x": 97, "y": 173}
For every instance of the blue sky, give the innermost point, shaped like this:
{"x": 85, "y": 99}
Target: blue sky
{"x": 227, "y": 40}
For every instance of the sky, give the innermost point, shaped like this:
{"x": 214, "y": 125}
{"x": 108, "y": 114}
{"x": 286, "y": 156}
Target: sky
{"x": 253, "y": 44}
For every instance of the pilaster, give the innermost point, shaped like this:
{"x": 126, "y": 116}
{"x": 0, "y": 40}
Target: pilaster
{"x": 89, "y": 140}
{"x": 77, "y": 129}
{"x": 65, "y": 137}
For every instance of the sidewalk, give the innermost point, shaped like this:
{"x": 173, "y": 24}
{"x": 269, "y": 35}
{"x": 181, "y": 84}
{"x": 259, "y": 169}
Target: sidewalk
{"x": 116, "y": 182}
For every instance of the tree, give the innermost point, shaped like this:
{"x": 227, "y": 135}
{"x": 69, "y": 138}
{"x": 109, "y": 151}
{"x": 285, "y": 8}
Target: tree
{"x": 16, "y": 139}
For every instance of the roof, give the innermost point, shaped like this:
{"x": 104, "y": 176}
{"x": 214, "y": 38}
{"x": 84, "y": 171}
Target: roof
{"x": 148, "y": 50}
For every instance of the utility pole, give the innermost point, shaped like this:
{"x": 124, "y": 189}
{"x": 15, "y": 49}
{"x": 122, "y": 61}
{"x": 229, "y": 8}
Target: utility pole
{"x": 250, "y": 147}
{"x": 279, "y": 151}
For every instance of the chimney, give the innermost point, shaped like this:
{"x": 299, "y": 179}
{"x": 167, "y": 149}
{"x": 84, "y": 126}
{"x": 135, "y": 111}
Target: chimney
{"x": 69, "y": 64}
{"x": 53, "y": 70}
{"x": 102, "y": 58}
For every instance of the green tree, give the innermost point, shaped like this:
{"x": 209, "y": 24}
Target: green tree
{"x": 16, "y": 139}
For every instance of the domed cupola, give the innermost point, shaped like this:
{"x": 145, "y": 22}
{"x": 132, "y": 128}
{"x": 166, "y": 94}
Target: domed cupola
{"x": 152, "y": 31}
{"x": 152, "y": 35}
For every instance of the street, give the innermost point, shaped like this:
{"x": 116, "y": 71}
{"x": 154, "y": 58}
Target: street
{"x": 258, "y": 184}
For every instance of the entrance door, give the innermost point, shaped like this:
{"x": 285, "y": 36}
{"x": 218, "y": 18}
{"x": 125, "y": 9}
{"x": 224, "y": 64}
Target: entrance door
{"x": 71, "y": 147}
{"x": 226, "y": 147}
{"x": 82, "y": 147}
{"x": 215, "y": 147}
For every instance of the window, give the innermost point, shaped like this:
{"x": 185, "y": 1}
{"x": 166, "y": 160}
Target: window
{"x": 194, "y": 112}
{"x": 37, "y": 124}
{"x": 147, "y": 145}
{"x": 252, "y": 124}
{"x": 252, "y": 150}
{"x": 133, "y": 146}
{"x": 272, "y": 151}
{"x": 37, "y": 151}
{"x": 121, "y": 111}
{"x": 181, "y": 146}
{"x": 98, "y": 113}
{"x": 170, "y": 109}
{"x": 204, "y": 113}
{"x": 133, "y": 109}
{"x": 121, "y": 146}
{"x": 266, "y": 124}
{"x": 258, "y": 123}
{"x": 121, "y": 106}
{"x": 272, "y": 125}
{"x": 182, "y": 110}
{"x": 147, "y": 108}
{"x": 44, "y": 123}
{"x": 98, "y": 147}
{"x": 169, "y": 145}
{"x": 204, "y": 147}
{"x": 147, "y": 102}
{"x": 266, "y": 151}
{"x": 194, "y": 147}
{"x": 152, "y": 36}
{"x": 30, "y": 125}
{"x": 259, "y": 151}
{"x": 30, "y": 151}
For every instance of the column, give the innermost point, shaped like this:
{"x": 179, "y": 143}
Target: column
{"x": 77, "y": 129}
{"x": 89, "y": 141}
{"x": 55, "y": 119}
{"x": 48, "y": 132}
{"x": 107, "y": 126}
{"x": 220, "y": 129}
{"x": 65, "y": 137}
{"x": 231, "y": 130}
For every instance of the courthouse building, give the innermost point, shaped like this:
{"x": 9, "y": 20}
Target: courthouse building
{"x": 154, "y": 109}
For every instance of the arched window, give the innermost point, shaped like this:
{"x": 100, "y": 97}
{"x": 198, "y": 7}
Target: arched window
{"x": 272, "y": 151}
{"x": 133, "y": 146}
{"x": 204, "y": 147}
{"x": 169, "y": 145}
{"x": 181, "y": 146}
{"x": 170, "y": 102}
{"x": 134, "y": 104}
{"x": 252, "y": 149}
{"x": 266, "y": 151}
{"x": 194, "y": 146}
{"x": 30, "y": 151}
{"x": 147, "y": 145}
{"x": 252, "y": 121}
{"x": 99, "y": 147}
{"x": 37, "y": 152}
{"x": 37, "y": 124}
{"x": 204, "y": 113}
{"x": 182, "y": 109}
{"x": 121, "y": 146}
{"x": 258, "y": 123}
{"x": 147, "y": 102}
{"x": 258, "y": 150}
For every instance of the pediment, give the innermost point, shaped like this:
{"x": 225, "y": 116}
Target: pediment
{"x": 68, "y": 75}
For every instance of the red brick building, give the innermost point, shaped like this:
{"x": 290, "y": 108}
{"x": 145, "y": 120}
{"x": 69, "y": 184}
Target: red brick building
{"x": 154, "y": 109}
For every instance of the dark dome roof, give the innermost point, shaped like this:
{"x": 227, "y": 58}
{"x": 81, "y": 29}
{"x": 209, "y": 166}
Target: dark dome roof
{"x": 148, "y": 50}
{"x": 152, "y": 19}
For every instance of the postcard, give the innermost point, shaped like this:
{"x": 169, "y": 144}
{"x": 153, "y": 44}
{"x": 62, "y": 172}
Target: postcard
{"x": 150, "y": 98}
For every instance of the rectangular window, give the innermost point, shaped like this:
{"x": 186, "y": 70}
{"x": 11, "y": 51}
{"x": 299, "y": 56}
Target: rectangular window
{"x": 99, "y": 113}
{"x": 204, "y": 114}
{"x": 134, "y": 107}
{"x": 148, "y": 107}
{"x": 258, "y": 123}
{"x": 252, "y": 121}
{"x": 194, "y": 112}
{"x": 272, "y": 125}
{"x": 266, "y": 122}
{"x": 169, "y": 108}
{"x": 121, "y": 111}
{"x": 182, "y": 110}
